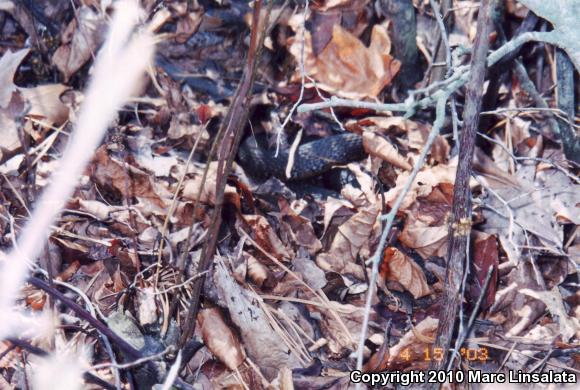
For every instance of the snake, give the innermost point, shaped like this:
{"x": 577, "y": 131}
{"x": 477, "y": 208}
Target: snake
{"x": 311, "y": 159}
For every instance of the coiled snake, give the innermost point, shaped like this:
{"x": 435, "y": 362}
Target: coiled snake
{"x": 311, "y": 159}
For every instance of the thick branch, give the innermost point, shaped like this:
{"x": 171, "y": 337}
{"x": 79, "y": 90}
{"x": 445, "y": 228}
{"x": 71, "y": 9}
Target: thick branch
{"x": 232, "y": 128}
{"x": 460, "y": 228}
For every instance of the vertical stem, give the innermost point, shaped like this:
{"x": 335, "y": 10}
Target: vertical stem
{"x": 460, "y": 227}
{"x": 565, "y": 93}
{"x": 232, "y": 128}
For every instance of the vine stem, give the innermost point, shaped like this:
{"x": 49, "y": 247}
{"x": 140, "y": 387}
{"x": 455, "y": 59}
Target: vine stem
{"x": 390, "y": 218}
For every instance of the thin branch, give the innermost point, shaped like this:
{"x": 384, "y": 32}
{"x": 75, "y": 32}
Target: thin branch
{"x": 463, "y": 336}
{"x": 457, "y": 80}
{"x": 117, "y": 340}
{"x": 445, "y": 39}
{"x": 136, "y": 362}
{"x": 551, "y": 37}
{"x": 375, "y": 260}
{"x": 232, "y": 129}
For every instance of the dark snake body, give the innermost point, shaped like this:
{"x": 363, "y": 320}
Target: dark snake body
{"x": 311, "y": 159}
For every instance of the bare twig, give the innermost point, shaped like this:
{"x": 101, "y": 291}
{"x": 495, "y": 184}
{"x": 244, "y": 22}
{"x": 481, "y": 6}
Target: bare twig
{"x": 461, "y": 339}
{"x": 457, "y": 80}
{"x": 174, "y": 205}
{"x": 445, "y": 18}
{"x": 570, "y": 175}
{"x": 231, "y": 128}
{"x": 460, "y": 226}
{"x": 136, "y": 362}
{"x": 117, "y": 340}
{"x": 528, "y": 86}
{"x": 447, "y": 52}
{"x": 375, "y": 259}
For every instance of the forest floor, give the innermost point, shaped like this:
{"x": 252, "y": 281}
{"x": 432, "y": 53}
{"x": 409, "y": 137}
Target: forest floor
{"x": 453, "y": 244}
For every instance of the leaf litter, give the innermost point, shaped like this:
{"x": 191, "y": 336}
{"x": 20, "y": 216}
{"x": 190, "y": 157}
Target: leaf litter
{"x": 283, "y": 304}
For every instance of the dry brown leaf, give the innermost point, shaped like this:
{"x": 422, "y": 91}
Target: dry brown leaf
{"x": 9, "y": 63}
{"x": 11, "y": 102}
{"x": 426, "y": 227}
{"x": 191, "y": 186}
{"x": 519, "y": 310}
{"x": 100, "y": 210}
{"x": 528, "y": 210}
{"x": 263, "y": 234}
{"x": 426, "y": 240}
{"x": 187, "y": 25}
{"x": 351, "y": 239}
{"x": 388, "y": 125}
{"x": 339, "y": 338}
{"x": 181, "y": 126}
{"x": 423, "y": 183}
{"x": 398, "y": 267}
{"x": 559, "y": 194}
{"x": 312, "y": 275}
{"x": 417, "y": 136}
{"x": 264, "y": 346}
{"x": 45, "y": 103}
{"x": 569, "y": 326}
{"x": 377, "y": 146}
{"x": 299, "y": 229}
{"x": 485, "y": 255}
{"x": 79, "y": 42}
{"x": 257, "y": 272}
{"x": 346, "y": 67}
{"x": 331, "y": 207}
{"x": 9, "y": 139}
{"x": 516, "y": 131}
{"x": 128, "y": 180}
{"x": 416, "y": 340}
{"x": 410, "y": 350}
{"x": 220, "y": 339}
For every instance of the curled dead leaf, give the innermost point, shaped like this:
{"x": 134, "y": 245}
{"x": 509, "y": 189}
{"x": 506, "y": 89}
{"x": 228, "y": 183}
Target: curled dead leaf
{"x": 415, "y": 341}
{"x": 263, "y": 234}
{"x": 422, "y": 185}
{"x": 257, "y": 272}
{"x": 350, "y": 240}
{"x": 220, "y": 339}
{"x": 266, "y": 347}
{"x": 426, "y": 228}
{"x": 191, "y": 186}
{"x": 128, "y": 180}
{"x": 398, "y": 267}
{"x": 377, "y": 146}
{"x": 569, "y": 326}
{"x": 418, "y": 135}
{"x": 79, "y": 42}
{"x": 299, "y": 229}
{"x": 45, "y": 103}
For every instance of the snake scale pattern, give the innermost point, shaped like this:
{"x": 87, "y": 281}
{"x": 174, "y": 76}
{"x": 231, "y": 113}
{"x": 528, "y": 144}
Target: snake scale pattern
{"x": 311, "y": 160}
